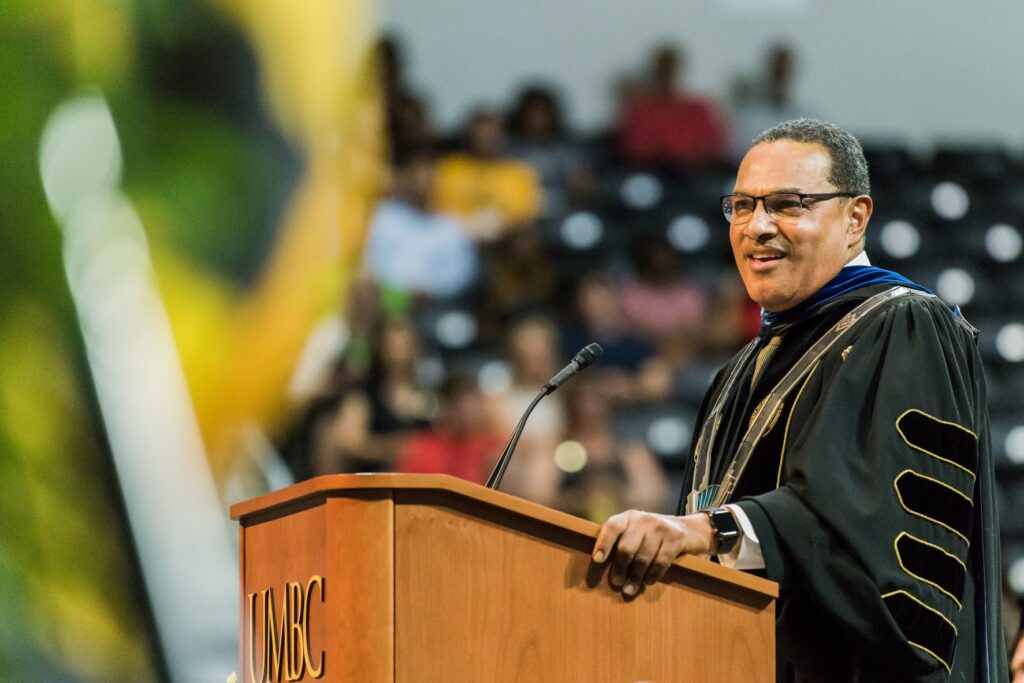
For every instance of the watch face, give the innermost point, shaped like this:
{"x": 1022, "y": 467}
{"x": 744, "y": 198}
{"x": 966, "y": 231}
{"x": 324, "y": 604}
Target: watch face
{"x": 727, "y": 532}
{"x": 723, "y": 521}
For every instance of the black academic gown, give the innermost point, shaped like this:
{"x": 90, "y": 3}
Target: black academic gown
{"x": 872, "y": 496}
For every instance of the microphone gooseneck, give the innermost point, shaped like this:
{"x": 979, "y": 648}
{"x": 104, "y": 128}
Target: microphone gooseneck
{"x": 582, "y": 360}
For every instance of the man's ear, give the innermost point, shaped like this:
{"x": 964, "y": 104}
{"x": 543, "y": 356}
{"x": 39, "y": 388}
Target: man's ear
{"x": 858, "y": 214}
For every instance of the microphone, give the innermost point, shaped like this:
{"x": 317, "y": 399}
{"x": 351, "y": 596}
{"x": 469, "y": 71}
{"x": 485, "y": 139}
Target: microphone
{"x": 582, "y": 360}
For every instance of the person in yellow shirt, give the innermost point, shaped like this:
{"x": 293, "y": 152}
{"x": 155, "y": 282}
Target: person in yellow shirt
{"x": 492, "y": 193}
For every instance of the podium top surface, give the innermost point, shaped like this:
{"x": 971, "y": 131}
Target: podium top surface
{"x": 332, "y": 485}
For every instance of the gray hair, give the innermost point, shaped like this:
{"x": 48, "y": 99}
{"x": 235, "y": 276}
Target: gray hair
{"x": 849, "y": 170}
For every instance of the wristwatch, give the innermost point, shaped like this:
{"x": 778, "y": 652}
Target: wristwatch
{"x": 725, "y": 529}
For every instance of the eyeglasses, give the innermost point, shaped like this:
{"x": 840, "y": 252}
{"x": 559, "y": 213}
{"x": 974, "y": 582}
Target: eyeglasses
{"x": 738, "y": 208}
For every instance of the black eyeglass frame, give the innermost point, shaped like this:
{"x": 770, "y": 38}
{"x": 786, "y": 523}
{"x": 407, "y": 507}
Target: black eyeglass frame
{"x": 817, "y": 196}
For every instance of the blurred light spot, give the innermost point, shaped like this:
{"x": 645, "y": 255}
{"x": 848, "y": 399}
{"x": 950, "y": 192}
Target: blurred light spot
{"x": 79, "y": 154}
{"x": 688, "y": 233}
{"x": 956, "y": 286}
{"x": 1010, "y": 342}
{"x": 900, "y": 239}
{"x": 1016, "y": 576}
{"x": 641, "y": 191}
{"x": 1014, "y": 445}
{"x": 668, "y": 435}
{"x": 430, "y": 372}
{"x": 582, "y": 230}
{"x": 494, "y": 377}
{"x": 455, "y": 329}
{"x": 570, "y": 456}
{"x": 950, "y": 200}
{"x": 1003, "y": 242}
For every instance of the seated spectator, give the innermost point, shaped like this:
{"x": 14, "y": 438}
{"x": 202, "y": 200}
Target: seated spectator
{"x": 616, "y": 475}
{"x": 599, "y": 318}
{"x": 521, "y": 277}
{"x": 411, "y": 248}
{"x": 533, "y": 355}
{"x": 410, "y": 127}
{"x": 362, "y": 426}
{"x": 662, "y": 305}
{"x": 629, "y": 369}
{"x": 539, "y": 139}
{"x": 407, "y": 123}
{"x": 761, "y": 102}
{"x": 664, "y": 123}
{"x": 492, "y": 193}
{"x": 323, "y": 377}
{"x": 460, "y": 442}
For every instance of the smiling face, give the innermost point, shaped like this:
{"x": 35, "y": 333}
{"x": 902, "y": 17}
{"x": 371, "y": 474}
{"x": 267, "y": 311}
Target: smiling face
{"x": 783, "y": 261}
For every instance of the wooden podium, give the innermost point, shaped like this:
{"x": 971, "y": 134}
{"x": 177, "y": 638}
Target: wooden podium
{"x": 421, "y": 578}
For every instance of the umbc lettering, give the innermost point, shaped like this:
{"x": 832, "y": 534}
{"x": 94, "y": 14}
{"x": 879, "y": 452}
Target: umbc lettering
{"x": 285, "y": 644}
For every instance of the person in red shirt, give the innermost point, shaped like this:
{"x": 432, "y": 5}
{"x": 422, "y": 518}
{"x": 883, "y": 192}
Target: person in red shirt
{"x": 666, "y": 124}
{"x": 459, "y": 443}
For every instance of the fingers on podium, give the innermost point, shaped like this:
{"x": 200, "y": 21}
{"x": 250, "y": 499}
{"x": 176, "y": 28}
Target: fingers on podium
{"x": 607, "y": 536}
{"x": 642, "y": 562}
{"x": 631, "y": 543}
{"x": 666, "y": 556}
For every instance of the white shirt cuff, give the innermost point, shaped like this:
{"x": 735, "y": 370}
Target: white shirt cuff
{"x": 747, "y": 553}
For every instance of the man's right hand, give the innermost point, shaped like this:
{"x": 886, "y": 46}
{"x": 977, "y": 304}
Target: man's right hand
{"x": 643, "y": 545}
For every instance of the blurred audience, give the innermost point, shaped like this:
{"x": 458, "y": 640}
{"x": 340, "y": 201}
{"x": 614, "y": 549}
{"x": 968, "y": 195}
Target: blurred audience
{"x": 364, "y": 313}
{"x": 411, "y": 248}
{"x": 469, "y": 226}
{"x": 629, "y": 369}
{"x": 658, "y": 302}
{"x": 599, "y": 318}
{"x": 491, "y": 212}
{"x": 411, "y": 127}
{"x": 492, "y": 193}
{"x": 532, "y": 350}
{"x": 521, "y": 277}
{"x": 461, "y": 442}
{"x": 407, "y": 122}
{"x": 615, "y": 475}
{"x": 665, "y": 123}
{"x": 540, "y": 139}
{"x": 765, "y": 99}
{"x": 361, "y": 425}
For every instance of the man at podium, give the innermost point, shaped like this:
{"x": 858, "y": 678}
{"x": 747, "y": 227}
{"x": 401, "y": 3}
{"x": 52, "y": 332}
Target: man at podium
{"x": 845, "y": 451}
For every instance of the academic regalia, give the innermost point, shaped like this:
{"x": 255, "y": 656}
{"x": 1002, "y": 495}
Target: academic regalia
{"x": 871, "y": 493}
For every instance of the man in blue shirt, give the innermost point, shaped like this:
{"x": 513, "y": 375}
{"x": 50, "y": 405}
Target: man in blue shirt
{"x": 413, "y": 249}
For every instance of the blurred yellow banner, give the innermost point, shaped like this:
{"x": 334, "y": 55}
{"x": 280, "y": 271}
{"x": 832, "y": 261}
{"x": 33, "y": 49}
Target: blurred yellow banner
{"x": 318, "y": 69}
